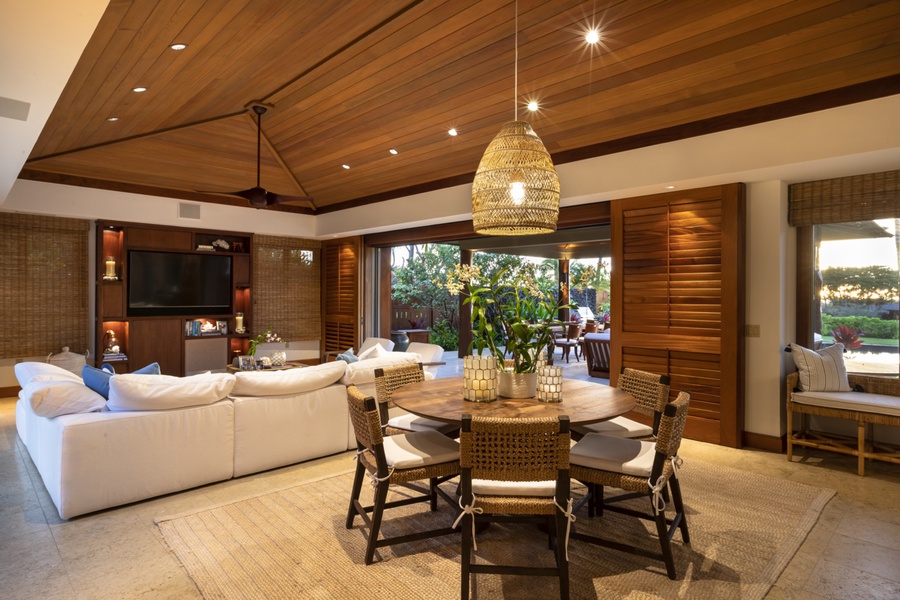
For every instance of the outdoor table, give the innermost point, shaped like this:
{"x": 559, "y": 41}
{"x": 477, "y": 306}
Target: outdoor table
{"x": 583, "y": 401}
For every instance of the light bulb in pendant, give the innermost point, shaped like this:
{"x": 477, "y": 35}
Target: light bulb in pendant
{"x": 517, "y": 191}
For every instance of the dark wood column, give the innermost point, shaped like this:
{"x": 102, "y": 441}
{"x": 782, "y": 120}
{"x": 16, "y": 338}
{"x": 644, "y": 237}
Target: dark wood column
{"x": 564, "y": 287}
{"x": 465, "y": 311}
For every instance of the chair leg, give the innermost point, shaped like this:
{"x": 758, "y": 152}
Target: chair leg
{"x": 432, "y": 485}
{"x": 561, "y": 562}
{"x": 678, "y": 503}
{"x": 790, "y": 434}
{"x": 377, "y": 512}
{"x": 662, "y": 530}
{"x": 466, "y": 557}
{"x": 354, "y": 493}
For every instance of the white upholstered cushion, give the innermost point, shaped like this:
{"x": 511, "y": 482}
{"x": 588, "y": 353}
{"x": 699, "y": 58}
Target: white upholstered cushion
{"x": 374, "y": 351}
{"x": 618, "y": 427}
{"x": 823, "y": 370}
{"x": 26, "y": 372}
{"x": 873, "y": 403}
{"x": 412, "y": 422}
{"x": 363, "y": 371}
{"x": 419, "y": 449}
{"x": 289, "y": 381}
{"x": 620, "y": 455}
{"x": 164, "y": 392}
{"x": 55, "y": 398}
{"x": 536, "y": 489}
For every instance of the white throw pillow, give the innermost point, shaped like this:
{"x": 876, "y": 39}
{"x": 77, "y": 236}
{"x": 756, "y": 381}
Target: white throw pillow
{"x": 375, "y": 351}
{"x": 164, "y": 392}
{"x": 26, "y": 372}
{"x": 289, "y": 381}
{"x": 55, "y": 398}
{"x": 821, "y": 371}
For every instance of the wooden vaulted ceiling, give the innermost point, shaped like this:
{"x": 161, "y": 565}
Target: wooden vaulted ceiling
{"x": 348, "y": 80}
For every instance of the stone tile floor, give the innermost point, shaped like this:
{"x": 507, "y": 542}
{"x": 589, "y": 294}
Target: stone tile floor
{"x": 852, "y": 553}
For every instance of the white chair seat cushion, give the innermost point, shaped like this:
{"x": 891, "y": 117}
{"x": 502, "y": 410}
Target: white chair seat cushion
{"x": 873, "y": 403}
{"x": 620, "y": 455}
{"x": 618, "y": 427}
{"x": 490, "y": 487}
{"x": 419, "y": 449}
{"x": 411, "y": 422}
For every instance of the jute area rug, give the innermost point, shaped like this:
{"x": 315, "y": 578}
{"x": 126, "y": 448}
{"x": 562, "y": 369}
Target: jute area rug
{"x": 292, "y": 543}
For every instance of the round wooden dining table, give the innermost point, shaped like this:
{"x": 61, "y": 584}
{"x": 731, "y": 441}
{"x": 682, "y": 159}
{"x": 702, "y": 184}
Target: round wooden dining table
{"x": 583, "y": 401}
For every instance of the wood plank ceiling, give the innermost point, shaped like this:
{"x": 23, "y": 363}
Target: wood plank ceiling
{"x": 348, "y": 80}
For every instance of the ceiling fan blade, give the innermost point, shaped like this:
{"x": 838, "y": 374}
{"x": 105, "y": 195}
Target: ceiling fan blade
{"x": 273, "y": 198}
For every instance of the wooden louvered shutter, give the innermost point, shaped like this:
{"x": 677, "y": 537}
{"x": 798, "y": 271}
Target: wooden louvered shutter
{"x": 340, "y": 293}
{"x": 677, "y": 300}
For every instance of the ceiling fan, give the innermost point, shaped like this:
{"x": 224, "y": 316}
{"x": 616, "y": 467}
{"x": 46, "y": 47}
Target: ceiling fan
{"x": 257, "y": 195}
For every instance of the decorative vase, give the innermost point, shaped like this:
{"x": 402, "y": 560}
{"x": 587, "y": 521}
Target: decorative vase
{"x": 278, "y": 358}
{"x": 401, "y": 341}
{"x": 480, "y": 378}
{"x": 517, "y": 385}
{"x": 549, "y": 384}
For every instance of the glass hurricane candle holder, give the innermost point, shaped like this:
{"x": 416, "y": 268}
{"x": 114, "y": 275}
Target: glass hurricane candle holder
{"x": 549, "y": 384}
{"x": 480, "y": 378}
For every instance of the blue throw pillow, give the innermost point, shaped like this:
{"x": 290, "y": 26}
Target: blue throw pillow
{"x": 98, "y": 379}
{"x": 348, "y": 356}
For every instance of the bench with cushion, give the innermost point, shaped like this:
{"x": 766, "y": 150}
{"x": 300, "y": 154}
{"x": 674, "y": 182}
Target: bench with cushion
{"x": 878, "y": 403}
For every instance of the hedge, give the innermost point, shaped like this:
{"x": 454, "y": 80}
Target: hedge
{"x": 867, "y": 326}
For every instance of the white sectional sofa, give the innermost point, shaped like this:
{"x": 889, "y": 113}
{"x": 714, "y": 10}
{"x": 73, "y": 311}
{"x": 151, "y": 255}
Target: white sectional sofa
{"x": 158, "y": 439}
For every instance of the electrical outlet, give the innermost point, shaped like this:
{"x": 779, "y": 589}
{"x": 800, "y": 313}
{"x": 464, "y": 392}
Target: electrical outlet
{"x": 751, "y": 330}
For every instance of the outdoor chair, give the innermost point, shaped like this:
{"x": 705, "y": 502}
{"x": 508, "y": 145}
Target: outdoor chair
{"x": 651, "y": 393}
{"x": 515, "y": 470}
{"x": 642, "y": 469}
{"x": 387, "y": 381}
{"x": 432, "y": 355}
{"x": 573, "y": 332}
{"x": 399, "y": 459}
{"x": 596, "y": 354}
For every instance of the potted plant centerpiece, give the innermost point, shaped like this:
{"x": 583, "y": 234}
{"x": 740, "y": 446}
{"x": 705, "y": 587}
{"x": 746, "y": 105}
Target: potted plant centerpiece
{"x": 511, "y": 316}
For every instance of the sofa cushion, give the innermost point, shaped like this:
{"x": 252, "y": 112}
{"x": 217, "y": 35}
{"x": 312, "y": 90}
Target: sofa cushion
{"x": 348, "y": 356}
{"x": 98, "y": 379}
{"x": 363, "y": 371}
{"x": 821, "y": 371}
{"x": 26, "y": 372}
{"x": 864, "y": 402}
{"x": 55, "y": 398}
{"x": 375, "y": 351}
{"x": 164, "y": 392}
{"x": 289, "y": 381}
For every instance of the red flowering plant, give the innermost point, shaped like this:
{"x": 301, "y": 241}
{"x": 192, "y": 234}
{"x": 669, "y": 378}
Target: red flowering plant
{"x": 848, "y": 336}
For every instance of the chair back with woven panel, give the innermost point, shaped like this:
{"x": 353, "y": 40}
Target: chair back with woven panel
{"x": 389, "y": 379}
{"x": 515, "y": 470}
{"x": 365, "y": 419}
{"x": 592, "y": 327}
{"x": 670, "y": 433}
{"x": 650, "y": 391}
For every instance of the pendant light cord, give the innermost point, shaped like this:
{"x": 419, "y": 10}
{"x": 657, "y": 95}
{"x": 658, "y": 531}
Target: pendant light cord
{"x": 516, "y": 81}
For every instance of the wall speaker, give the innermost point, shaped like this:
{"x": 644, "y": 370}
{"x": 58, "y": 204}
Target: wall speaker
{"x": 188, "y": 211}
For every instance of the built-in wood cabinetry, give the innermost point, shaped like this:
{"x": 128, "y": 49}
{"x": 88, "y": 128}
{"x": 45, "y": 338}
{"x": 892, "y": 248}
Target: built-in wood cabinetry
{"x": 168, "y": 339}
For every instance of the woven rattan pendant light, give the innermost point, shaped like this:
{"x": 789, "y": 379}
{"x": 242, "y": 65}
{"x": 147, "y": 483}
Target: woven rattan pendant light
{"x": 516, "y": 188}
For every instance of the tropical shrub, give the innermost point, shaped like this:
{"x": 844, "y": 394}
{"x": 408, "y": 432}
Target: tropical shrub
{"x": 866, "y": 326}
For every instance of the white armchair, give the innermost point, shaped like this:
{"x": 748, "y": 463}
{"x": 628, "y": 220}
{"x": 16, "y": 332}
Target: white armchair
{"x": 429, "y": 353}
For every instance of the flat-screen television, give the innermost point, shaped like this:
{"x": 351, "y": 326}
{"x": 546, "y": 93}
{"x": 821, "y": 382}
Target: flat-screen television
{"x": 175, "y": 283}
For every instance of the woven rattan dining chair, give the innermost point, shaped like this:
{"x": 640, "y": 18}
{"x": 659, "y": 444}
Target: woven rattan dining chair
{"x": 399, "y": 459}
{"x": 515, "y": 470}
{"x": 651, "y": 393}
{"x": 387, "y": 381}
{"x": 644, "y": 469}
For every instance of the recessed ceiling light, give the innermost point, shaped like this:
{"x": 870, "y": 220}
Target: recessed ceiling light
{"x": 533, "y": 105}
{"x": 178, "y": 46}
{"x": 139, "y": 89}
{"x": 346, "y": 166}
{"x": 112, "y": 118}
{"x": 393, "y": 151}
{"x": 670, "y": 187}
{"x": 592, "y": 36}
{"x": 452, "y": 132}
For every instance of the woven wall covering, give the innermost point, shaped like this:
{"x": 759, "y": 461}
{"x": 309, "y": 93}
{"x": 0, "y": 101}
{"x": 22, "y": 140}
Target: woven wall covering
{"x": 44, "y": 269}
{"x": 845, "y": 199}
{"x": 286, "y": 287}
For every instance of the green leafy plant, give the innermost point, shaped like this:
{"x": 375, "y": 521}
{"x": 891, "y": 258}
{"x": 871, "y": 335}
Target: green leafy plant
{"x": 511, "y": 314}
{"x": 263, "y": 338}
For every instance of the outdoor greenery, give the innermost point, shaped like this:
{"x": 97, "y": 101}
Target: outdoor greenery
{"x": 873, "y": 284}
{"x": 866, "y": 326}
{"x": 511, "y": 314}
{"x": 419, "y": 283}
